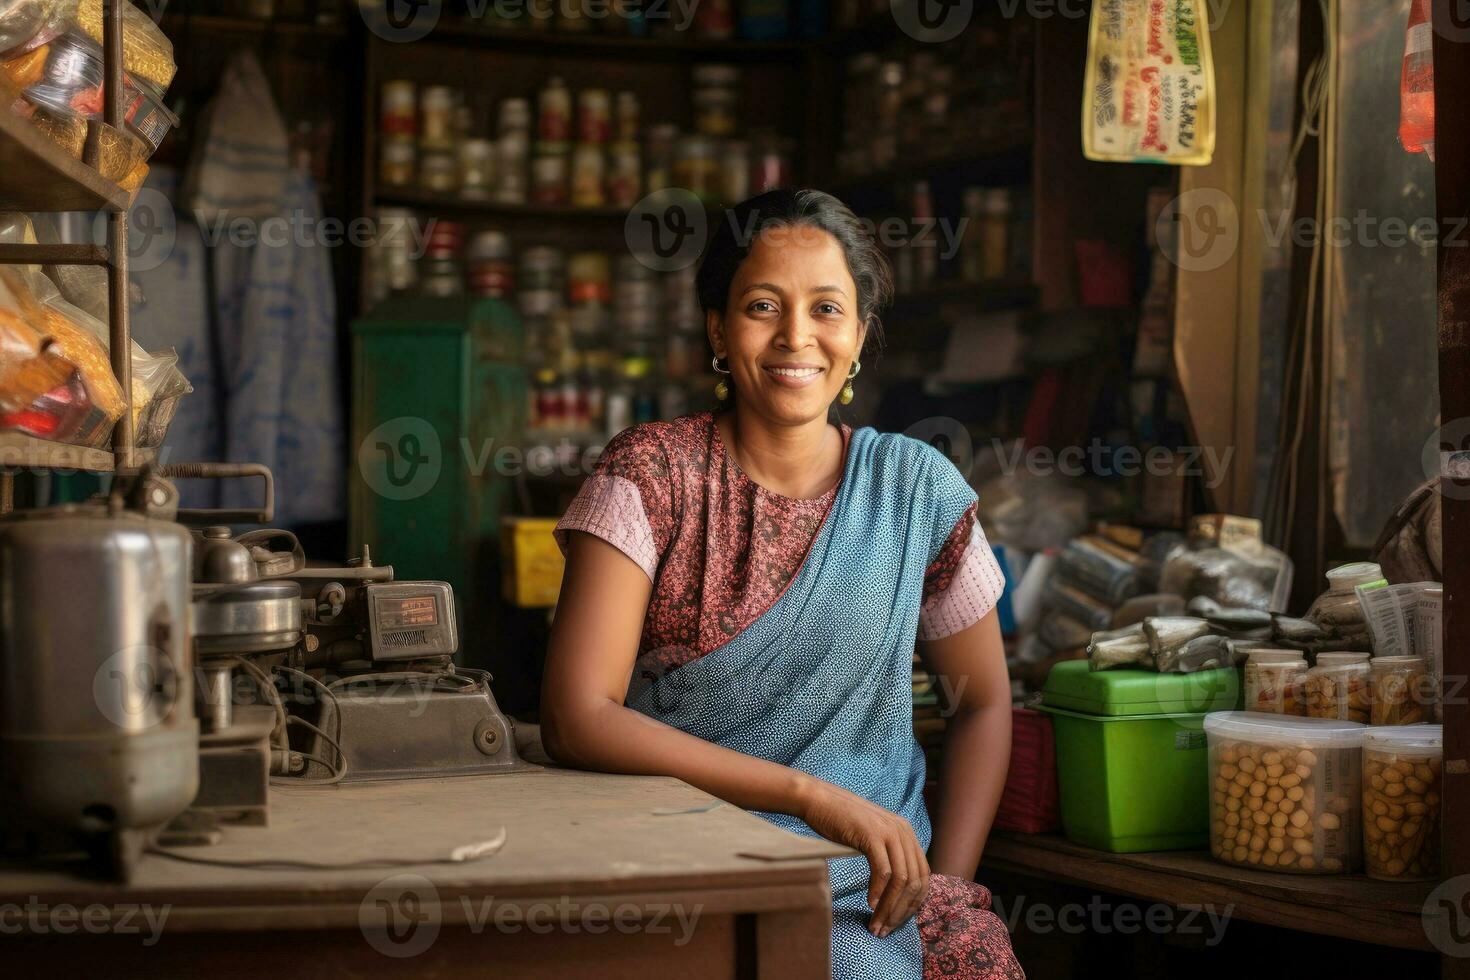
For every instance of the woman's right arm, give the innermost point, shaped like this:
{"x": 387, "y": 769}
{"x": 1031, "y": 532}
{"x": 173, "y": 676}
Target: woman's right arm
{"x": 584, "y": 723}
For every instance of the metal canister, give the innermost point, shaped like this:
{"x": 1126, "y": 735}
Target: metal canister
{"x": 97, "y": 727}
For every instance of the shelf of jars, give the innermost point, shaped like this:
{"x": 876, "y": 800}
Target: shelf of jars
{"x": 523, "y": 36}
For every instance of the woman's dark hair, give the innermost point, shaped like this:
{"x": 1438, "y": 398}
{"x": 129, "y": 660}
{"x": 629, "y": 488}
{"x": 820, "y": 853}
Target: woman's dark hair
{"x": 736, "y": 231}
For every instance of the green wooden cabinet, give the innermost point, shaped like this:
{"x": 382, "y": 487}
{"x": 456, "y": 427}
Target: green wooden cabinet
{"x": 439, "y": 394}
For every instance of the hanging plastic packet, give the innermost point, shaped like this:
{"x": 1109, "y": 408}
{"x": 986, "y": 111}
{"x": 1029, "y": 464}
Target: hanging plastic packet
{"x": 1416, "y": 82}
{"x": 1149, "y": 95}
{"x": 1404, "y": 618}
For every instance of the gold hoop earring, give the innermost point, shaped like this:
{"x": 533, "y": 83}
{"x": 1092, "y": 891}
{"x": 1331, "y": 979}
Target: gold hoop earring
{"x": 846, "y": 396}
{"x": 722, "y": 387}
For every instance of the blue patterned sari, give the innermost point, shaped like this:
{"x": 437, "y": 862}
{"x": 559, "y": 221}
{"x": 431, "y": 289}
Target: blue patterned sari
{"x": 822, "y": 681}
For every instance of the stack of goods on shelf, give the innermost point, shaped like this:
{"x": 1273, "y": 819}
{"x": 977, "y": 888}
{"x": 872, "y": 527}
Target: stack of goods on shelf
{"x": 608, "y": 341}
{"x": 56, "y": 378}
{"x": 922, "y": 103}
{"x": 51, "y": 57}
{"x": 988, "y": 241}
{"x": 579, "y": 151}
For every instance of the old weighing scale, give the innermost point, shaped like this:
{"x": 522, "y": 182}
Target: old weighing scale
{"x": 210, "y": 663}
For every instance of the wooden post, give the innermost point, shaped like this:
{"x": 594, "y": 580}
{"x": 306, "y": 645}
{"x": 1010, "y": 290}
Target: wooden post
{"x": 1452, "y": 188}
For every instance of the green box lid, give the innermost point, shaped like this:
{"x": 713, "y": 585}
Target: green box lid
{"x": 1076, "y": 687}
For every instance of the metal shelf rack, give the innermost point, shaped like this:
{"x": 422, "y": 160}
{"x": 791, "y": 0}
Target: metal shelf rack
{"x": 37, "y": 175}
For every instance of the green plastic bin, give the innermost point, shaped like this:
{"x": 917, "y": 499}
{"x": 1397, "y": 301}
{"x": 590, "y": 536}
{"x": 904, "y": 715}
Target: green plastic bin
{"x": 1131, "y": 766}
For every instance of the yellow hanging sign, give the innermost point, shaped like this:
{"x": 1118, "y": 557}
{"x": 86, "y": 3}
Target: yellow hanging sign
{"x": 1150, "y": 89}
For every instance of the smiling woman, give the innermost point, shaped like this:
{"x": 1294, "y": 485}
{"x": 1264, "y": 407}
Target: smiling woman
{"x": 744, "y": 592}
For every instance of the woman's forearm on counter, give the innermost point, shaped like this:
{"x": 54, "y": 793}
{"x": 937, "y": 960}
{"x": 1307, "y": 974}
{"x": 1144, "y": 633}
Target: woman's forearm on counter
{"x": 613, "y": 738}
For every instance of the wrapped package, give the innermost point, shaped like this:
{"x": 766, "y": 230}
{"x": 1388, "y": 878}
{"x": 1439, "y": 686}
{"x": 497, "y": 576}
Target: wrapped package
{"x": 1105, "y": 571}
{"x": 73, "y": 84}
{"x": 119, "y": 153}
{"x": 27, "y": 24}
{"x": 1226, "y": 577}
{"x": 159, "y": 414}
{"x": 24, "y": 70}
{"x": 43, "y": 392}
{"x": 147, "y": 51}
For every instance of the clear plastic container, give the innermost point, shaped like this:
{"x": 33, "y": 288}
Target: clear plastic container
{"x": 1285, "y": 793}
{"x": 1273, "y": 682}
{"x": 1399, "y": 689}
{"x": 1401, "y": 802}
{"x": 1338, "y": 610}
{"x": 1337, "y": 687}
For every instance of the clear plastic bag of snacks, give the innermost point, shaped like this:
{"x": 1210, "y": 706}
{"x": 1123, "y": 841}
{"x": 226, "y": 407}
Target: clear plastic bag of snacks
{"x": 1401, "y": 802}
{"x": 1285, "y": 793}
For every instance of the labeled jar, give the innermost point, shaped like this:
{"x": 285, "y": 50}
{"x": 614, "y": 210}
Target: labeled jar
{"x": 587, "y": 176}
{"x": 491, "y": 273}
{"x": 439, "y": 172}
{"x": 436, "y": 118}
{"x": 1285, "y": 793}
{"x": 695, "y": 168}
{"x": 716, "y": 99}
{"x": 511, "y": 183}
{"x": 1337, "y": 687}
{"x": 588, "y": 278}
{"x": 397, "y": 163}
{"x": 1398, "y": 690}
{"x": 476, "y": 169}
{"x": 594, "y": 116}
{"x": 1273, "y": 682}
{"x": 554, "y": 122}
{"x": 549, "y": 180}
{"x": 624, "y": 174}
{"x": 1402, "y": 792}
{"x": 397, "y": 116}
{"x": 626, "y": 128}
{"x": 515, "y": 117}
{"x": 735, "y": 171}
{"x": 659, "y": 165}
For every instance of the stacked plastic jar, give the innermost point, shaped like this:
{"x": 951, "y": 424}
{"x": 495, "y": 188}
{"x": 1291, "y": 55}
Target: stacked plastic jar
{"x": 1401, "y": 802}
{"x": 1399, "y": 688}
{"x": 1273, "y": 682}
{"x": 1337, "y": 687}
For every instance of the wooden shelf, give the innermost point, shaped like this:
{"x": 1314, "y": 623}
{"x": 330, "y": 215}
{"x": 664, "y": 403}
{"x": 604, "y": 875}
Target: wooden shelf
{"x": 37, "y": 175}
{"x": 1005, "y": 167}
{"x": 175, "y": 24}
{"x": 677, "y": 48}
{"x": 1345, "y": 906}
{"x": 975, "y": 297}
{"x": 53, "y": 255}
{"x": 408, "y": 197}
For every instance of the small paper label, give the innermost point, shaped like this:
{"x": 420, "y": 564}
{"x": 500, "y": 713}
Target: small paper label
{"x": 1189, "y": 740}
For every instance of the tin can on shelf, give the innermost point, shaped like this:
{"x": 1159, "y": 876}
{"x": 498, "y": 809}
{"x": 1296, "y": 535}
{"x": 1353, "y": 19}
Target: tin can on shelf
{"x": 624, "y": 175}
{"x": 554, "y": 121}
{"x": 397, "y": 114}
{"x": 549, "y": 179}
{"x": 439, "y": 172}
{"x": 436, "y": 118}
{"x": 476, "y": 169}
{"x": 594, "y": 116}
{"x": 587, "y": 176}
{"x": 397, "y": 162}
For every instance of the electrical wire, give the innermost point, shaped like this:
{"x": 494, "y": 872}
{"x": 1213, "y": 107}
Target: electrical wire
{"x": 464, "y": 854}
{"x": 338, "y": 772}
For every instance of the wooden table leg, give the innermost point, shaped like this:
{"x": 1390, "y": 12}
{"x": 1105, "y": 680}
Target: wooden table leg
{"x": 796, "y": 944}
